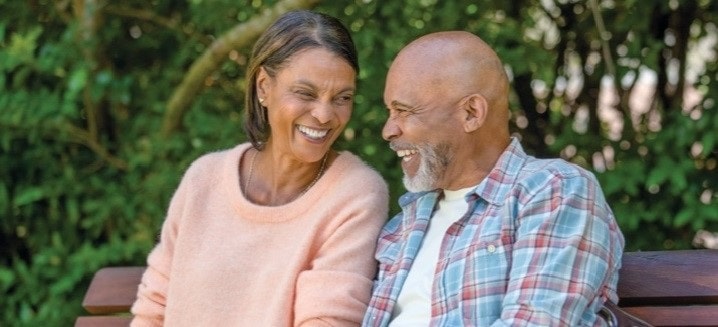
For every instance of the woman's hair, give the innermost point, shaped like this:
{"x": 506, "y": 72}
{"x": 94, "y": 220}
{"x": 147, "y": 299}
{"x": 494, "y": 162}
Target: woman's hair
{"x": 291, "y": 33}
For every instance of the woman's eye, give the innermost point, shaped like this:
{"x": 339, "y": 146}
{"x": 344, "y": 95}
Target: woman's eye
{"x": 305, "y": 95}
{"x": 345, "y": 99}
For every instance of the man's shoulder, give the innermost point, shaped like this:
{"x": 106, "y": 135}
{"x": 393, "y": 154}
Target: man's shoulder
{"x": 516, "y": 167}
{"x": 552, "y": 168}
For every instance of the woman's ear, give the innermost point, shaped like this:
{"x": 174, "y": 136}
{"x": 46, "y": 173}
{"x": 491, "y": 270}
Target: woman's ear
{"x": 262, "y": 83}
{"x": 475, "y": 110}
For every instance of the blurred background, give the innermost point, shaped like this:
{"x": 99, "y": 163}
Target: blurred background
{"x": 103, "y": 105}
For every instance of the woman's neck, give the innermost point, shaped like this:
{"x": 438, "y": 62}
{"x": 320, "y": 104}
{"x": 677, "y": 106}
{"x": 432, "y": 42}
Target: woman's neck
{"x": 273, "y": 180}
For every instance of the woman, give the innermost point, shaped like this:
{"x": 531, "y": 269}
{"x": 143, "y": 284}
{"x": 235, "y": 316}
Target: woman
{"x": 279, "y": 232}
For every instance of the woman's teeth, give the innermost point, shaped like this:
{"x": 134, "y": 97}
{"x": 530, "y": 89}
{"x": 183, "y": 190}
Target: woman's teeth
{"x": 312, "y": 133}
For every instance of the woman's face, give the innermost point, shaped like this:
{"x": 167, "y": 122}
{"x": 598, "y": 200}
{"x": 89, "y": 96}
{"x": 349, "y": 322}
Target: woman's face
{"x": 309, "y": 102}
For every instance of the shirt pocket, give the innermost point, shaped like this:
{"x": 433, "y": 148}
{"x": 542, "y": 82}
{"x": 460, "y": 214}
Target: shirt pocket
{"x": 487, "y": 263}
{"x": 481, "y": 269}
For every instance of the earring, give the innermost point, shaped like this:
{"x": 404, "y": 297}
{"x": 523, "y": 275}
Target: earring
{"x": 261, "y": 100}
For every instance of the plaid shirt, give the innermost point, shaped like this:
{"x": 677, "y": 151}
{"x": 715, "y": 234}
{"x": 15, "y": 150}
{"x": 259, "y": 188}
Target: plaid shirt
{"x": 538, "y": 246}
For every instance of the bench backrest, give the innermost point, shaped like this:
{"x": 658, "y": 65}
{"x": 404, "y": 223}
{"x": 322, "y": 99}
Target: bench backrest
{"x": 671, "y": 288}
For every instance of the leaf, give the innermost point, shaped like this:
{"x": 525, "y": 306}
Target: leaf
{"x": 73, "y": 210}
{"x": 77, "y": 81}
{"x": 7, "y": 279}
{"x": 660, "y": 173}
{"x": 4, "y": 197}
{"x": 29, "y": 195}
{"x": 22, "y": 47}
{"x": 683, "y": 217}
{"x": 708, "y": 143}
{"x": 678, "y": 181}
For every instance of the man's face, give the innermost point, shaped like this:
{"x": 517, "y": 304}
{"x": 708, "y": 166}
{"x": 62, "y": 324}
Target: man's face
{"x": 421, "y": 127}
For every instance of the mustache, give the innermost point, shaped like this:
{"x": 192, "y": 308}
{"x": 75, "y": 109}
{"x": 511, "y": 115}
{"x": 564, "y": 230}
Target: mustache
{"x": 397, "y": 145}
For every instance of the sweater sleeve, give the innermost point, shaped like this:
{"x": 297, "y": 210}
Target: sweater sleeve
{"x": 336, "y": 289}
{"x": 149, "y": 307}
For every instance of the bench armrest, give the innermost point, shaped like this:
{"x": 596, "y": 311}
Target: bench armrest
{"x": 113, "y": 290}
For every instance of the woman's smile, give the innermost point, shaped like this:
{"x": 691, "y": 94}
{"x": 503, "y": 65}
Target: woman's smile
{"x": 312, "y": 133}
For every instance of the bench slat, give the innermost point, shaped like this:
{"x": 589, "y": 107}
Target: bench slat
{"x": 669, "y": 278}
{"x": 698, "y": 315}
{"x": 112, "y": 290}
{"x": 103, "y": 321}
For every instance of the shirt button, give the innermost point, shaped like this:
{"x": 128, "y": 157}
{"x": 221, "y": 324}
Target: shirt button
{"x": 491, "y": 248}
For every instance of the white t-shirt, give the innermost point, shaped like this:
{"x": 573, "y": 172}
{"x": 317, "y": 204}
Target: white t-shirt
{"x": 413, "y": 307}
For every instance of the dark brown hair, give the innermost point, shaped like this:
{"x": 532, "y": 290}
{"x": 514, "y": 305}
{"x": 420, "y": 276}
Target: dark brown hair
{"x": 289, "y": 34}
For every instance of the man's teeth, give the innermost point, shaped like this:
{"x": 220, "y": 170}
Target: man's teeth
{"x": 312, "y": 133}
{"x": 406, "y": 154}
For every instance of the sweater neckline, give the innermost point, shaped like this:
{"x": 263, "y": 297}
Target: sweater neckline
{"x": 261, "y": 213}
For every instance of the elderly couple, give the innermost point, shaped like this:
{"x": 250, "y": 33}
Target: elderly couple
{"x": 285, "y": 231}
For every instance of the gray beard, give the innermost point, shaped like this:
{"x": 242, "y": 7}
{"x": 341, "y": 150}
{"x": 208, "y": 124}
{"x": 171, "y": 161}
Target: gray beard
{"x": 434, "y": 162}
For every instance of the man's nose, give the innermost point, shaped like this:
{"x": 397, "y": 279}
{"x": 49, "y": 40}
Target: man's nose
{"x": 391, "y": 129}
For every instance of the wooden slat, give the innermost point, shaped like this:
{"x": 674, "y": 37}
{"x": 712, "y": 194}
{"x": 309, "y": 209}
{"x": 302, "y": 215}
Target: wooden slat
{"x": 103, "y": 321}
{"x": 669, "y": 278}
{"x": 684, "y": 316}
{"x": 112, "y": 290}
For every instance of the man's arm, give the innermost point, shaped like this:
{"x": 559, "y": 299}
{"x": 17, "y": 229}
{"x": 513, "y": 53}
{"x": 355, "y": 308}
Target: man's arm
{"x": 566, "y": 256}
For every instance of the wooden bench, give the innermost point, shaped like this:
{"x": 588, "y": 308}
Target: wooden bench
{"x": 109, "y": 297}
{"x": 664, "y": 288}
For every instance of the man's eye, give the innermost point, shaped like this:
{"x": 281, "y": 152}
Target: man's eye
{"x": 398, "y": 112}
{"x": 402, "y": 111}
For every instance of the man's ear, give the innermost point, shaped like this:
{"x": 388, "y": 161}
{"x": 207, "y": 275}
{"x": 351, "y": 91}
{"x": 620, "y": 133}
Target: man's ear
{"x": 475, "y": 110}
{"x": 262, "y": 83}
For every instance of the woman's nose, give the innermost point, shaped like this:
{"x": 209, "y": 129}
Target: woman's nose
{"x": 323, "y": 112}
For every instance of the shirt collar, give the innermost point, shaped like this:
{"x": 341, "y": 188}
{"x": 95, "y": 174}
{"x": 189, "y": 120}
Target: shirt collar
{"x": 497, "y": 184}
{"x": 410, "y": 197}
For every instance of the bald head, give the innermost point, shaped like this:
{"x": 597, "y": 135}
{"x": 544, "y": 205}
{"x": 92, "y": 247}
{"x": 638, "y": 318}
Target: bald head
{"x": 447, "y": 97}
{"x": 455, "y": 64}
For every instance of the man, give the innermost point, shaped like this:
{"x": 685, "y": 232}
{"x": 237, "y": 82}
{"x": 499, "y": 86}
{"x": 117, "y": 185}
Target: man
{"x": 487, "y": 236}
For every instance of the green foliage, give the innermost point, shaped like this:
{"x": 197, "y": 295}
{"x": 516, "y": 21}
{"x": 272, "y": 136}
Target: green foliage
{"x": 85, "y": 176}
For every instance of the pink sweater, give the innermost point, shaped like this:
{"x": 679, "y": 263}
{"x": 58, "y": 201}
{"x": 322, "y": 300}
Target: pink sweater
{"x": 224, "y": 261}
